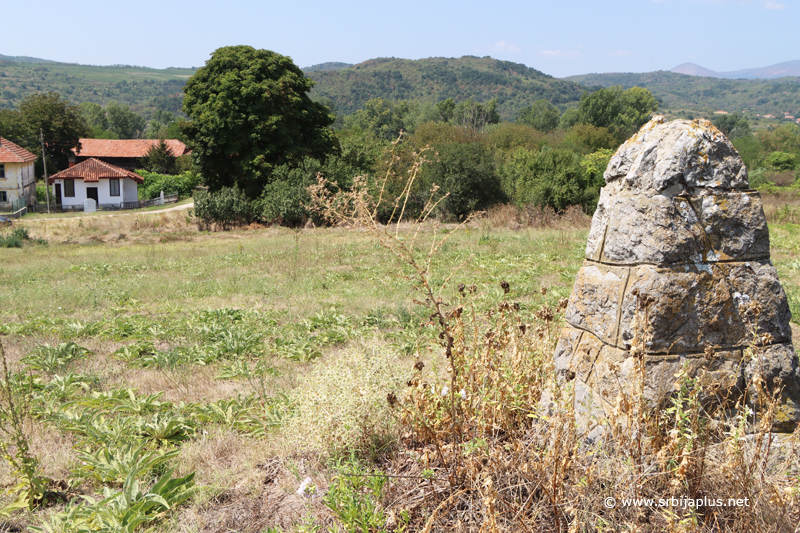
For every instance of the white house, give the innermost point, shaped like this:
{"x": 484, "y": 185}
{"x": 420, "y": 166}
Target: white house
{"x": 106, "y": 184}
{"x": 17, "y": 179}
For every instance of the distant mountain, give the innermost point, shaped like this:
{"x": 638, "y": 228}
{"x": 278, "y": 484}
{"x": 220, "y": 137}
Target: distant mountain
{"x": 437, "y": 78}
{"x": 326, "y": 66}
{"x": 694, "y": 70}
{"x": 707, "y": 94}
{"x": 780, "y": 70}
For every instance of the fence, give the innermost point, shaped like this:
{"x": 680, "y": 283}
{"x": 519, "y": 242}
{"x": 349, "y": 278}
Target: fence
{"x": 57, "y": 208}
{"x": 18, "y": 208}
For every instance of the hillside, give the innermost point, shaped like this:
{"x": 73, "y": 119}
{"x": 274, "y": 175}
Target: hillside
{"x": 143, "y": 89}
{"x": 326, "y": 66}
{"x": 780, "y": 70}
{"x": 434, "y": 79}
{"x": 706, "y": 94}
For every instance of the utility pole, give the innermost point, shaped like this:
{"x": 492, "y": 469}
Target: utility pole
{"x": 44, "y": 163}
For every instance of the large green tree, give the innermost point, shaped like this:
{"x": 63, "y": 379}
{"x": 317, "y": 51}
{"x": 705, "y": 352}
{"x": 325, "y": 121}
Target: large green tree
{"x": 542, "y": 115}
{"x": 383, "y": 118}
{"x": 476, "y": 115}
{"x": 250, "y": 112}
{"x": 123, "y": 121}
{"x": 61, "y": 122}
{"x": 623, "y": 112}
{"x": 734, "y": 126}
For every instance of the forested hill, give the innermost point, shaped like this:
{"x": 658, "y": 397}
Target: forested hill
{"x": 349, "y": 87}
{"x": 703, "y": 94}
{"x": 143, "y": 89}
{"x": 434, "y": 79}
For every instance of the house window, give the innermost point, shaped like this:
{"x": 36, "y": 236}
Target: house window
{"x": 113, "y": 184}
{"x": 69, "y": 188}
{"x": 2, "y": 170}
{"x": 3, "y": 196}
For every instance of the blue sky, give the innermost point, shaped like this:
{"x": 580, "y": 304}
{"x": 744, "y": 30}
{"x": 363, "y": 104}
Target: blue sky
{"x": 558, "y": 37}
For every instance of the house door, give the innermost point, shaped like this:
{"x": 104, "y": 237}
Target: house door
{"x": 91, "y": 192}
{"x": 58, "y": 194}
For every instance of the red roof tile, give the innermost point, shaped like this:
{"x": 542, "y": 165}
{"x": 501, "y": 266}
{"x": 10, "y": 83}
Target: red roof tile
{"x": 11, "y": 153}
{"x": 95, "y": 170}
{"x": 125, "y": 147}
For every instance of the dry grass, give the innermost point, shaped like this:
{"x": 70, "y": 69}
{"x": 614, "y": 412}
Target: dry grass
{"x": 496, "y": 464}
{"x": 532, "y": 216}
{"x": 340, "y": 407}
{"x": 118, "y": 229}
{"x": 782, "y": 205}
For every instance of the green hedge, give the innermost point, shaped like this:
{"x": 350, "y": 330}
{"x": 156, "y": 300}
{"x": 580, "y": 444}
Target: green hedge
{"x": 182, "y": 184}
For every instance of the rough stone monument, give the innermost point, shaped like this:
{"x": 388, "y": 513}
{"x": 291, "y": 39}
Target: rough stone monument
{"x": 678, "y": 276}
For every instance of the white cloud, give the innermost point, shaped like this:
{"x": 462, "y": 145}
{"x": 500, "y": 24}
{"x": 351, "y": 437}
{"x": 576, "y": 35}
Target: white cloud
{"x": 559, "y": 53}
{"x": 503, "y": 46}
{"x": 622, "y": 53}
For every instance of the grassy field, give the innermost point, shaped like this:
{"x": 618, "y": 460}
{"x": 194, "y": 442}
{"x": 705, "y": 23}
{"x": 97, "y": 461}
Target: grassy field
{"x": 238, "y": 364}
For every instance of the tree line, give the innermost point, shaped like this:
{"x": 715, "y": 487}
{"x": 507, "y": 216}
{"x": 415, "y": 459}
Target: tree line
{"x": 544, "y": 156}
{"x": 259, "y": 148}
{"x": 259, "y": 141}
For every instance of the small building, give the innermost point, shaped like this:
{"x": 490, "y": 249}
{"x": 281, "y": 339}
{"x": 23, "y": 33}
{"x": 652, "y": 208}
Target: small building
{"x": 17, "y": 179}
{"x": 124, "y": 153}
{"x": 108, "y": 185}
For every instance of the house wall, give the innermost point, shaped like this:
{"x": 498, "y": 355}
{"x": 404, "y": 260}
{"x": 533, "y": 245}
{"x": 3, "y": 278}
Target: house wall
{"x": 19, "y": 181}
{"x": 127, "y": 189}
{"x": 130, "y": 189}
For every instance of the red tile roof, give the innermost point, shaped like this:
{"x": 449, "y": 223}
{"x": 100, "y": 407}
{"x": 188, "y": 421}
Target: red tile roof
{"x": 125, "y": 147}
{"x": 11, "y": 153}
{"x": 95, "y": 170}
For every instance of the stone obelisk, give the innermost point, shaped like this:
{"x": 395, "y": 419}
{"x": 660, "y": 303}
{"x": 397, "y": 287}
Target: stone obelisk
{"x": 677, "y": 276}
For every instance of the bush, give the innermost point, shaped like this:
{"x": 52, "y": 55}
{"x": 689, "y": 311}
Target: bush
{"x": 41, "y": 193}
{"x": 17, "y": 238}
{"x": 282, "y": 203}
{"x": 226, "y": 207}
{"x": 758, "y": 178}
{"x": 587, "y": 137}
{"x": 284, "y": 199}
{"x": 781, "y": 161}
{"x": 182, "y": 184}
{"x": 10, "y": 241}
{"x": 554, "y": 178}
{"x": 466, "y": 173}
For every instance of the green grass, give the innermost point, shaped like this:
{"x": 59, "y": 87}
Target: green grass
{"x": 293, "y": 272}
{"x": 213, "y": 353}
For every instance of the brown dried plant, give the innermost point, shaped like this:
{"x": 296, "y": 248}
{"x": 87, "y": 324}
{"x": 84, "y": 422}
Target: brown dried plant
{"x": 479, "y": 453}
{"x": 415, "y": 248}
